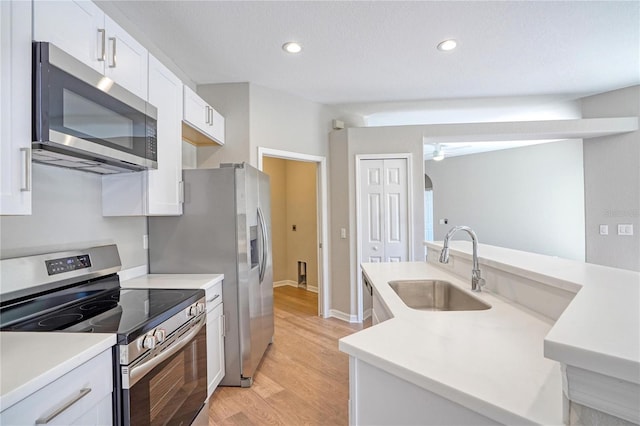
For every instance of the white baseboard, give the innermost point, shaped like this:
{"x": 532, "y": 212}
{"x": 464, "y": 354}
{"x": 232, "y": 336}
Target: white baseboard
{"x": 284, "y": 283}
{"x": 292, "y": 283}
{"x": 342, "y": 316}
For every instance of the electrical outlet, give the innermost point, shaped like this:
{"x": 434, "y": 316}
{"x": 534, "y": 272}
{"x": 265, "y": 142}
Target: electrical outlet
{"x": 145, "y": 242}
{"x": 604, "y": 229}
{"x": 343, "y": 233}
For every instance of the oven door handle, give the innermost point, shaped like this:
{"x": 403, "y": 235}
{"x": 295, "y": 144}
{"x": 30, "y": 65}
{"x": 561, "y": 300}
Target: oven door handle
{"x": 138, "y": 372}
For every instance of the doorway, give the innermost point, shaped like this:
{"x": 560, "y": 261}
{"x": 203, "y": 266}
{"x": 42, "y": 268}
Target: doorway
{"x": 383, "y": 209}
{"x": 299, "y": 214}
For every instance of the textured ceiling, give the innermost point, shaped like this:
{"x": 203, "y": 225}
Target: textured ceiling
{"x": 362, "y": 52}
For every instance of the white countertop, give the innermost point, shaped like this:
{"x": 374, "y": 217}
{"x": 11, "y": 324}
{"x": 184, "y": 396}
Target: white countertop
{"x": 178, "y": 281}
{"x": 600, "y": 329}
{"x": 490, "y": 361}
{"x": 30, "y": 361}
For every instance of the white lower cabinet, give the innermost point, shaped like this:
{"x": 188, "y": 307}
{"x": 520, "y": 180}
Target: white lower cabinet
{"x": 81, "y": 397}
{"x": 215, "y": 338}
{"x": 377, "y": 397}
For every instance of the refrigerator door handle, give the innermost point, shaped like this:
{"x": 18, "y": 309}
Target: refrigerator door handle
{"x": 265, "y": 242}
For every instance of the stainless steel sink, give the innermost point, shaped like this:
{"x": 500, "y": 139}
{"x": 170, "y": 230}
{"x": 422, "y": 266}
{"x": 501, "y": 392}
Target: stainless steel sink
{"x": 436, "y": 295}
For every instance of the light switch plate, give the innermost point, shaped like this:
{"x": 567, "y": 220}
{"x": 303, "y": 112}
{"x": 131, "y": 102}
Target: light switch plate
{"x": 625, "y": 229}
{"x": 604, "y": 229}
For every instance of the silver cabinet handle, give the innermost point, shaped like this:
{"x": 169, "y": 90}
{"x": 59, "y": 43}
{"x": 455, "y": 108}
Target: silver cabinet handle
{"x": 103, "y": 53}
{"x": 113, "y": 52}
{"x": 27, "y": 170}
{"x": 210, "y": 116}
{"x": 207, "y": 114}
{"x": 44, "y": 420}
{"x": 213, "y": 298}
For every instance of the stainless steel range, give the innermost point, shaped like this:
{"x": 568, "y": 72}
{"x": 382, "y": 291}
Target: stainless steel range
{"x": 161, "y": 334}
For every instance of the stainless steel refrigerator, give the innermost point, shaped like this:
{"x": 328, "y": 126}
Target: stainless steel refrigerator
{"x": 225, "y": 228}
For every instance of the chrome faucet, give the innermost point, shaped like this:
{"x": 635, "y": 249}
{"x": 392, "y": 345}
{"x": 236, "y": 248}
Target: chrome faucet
{"x": 476, "y": 280}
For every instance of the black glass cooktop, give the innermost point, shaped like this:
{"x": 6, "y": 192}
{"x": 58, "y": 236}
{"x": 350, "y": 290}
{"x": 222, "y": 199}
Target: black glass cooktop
{"x": 98, "y": 307}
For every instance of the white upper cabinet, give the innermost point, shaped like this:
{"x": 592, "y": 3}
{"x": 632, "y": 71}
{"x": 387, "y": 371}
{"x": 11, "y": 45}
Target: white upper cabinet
{"x": 81, "y": 28}
{"x": 153, "y": 192}
{"x": 127, "y": 59}
{"x": 15, "y": 107}
{"x": 201, "y": 116}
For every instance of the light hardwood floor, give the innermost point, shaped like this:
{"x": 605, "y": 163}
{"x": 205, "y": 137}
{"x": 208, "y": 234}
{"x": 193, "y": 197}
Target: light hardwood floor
{"x": 303, "y": 378}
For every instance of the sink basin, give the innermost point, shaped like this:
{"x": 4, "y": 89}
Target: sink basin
{"x": 436, "y": 295}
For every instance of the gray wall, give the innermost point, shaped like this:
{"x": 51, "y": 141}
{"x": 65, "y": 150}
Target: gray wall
{"x": 232, "y": 101}
{"x": 67, "y": 214}
{"x": 528, "y": 198}
{"x": 344, "y": 146}
{"x": 612, "y": 182}
{"x": 284, "y": 122}
{"x": 257, "y": 116}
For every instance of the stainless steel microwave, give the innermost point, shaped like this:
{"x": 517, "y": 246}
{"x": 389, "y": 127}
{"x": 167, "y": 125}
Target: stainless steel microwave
{"x": 85, "y": 121}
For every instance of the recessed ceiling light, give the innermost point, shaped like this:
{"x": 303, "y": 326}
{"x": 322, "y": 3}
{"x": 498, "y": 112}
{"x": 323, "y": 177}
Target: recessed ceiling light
{"x": 292, "y": 47}
{"x": 447, "y": 45}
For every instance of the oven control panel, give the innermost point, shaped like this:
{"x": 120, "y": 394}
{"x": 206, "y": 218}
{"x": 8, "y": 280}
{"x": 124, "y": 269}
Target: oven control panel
{"x": 67, "y": 264}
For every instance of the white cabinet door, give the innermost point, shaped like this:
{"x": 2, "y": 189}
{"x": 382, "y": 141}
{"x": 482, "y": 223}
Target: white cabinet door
{"x": 75, "y": 26}
{"x": 153, "y": 192}
{"x": 215, "y": 337}
{"x": 81, "y": 29}
{"x": 126, "y": 62}
{"x": 215, "y": 348}
{"x": 165, "y": 183}
{"x": 15, "y": 107}
{"x": 81, "y": 397}
{"x": 201, "y": 116}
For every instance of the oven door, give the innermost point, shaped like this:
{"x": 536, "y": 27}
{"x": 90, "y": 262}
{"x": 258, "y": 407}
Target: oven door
{"x": 171, "y": 386}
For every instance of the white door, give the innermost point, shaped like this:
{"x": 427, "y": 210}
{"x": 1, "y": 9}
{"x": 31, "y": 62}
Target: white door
{"x": 384, "y": 210}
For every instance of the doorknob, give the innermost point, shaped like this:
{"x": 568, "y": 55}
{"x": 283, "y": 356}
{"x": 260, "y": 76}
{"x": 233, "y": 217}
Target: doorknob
{"x": 374, "y": 248}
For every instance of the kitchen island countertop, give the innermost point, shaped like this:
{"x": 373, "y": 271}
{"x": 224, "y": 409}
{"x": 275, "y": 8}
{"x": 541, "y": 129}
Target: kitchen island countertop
{"x": 489, "y": 361}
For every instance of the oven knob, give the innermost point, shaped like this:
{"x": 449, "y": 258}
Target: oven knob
{"x": 200, "y": 308}
{"x": 149, "y": 342}
{"x": 192, "y": 311}
{"x": 160, "y": 335}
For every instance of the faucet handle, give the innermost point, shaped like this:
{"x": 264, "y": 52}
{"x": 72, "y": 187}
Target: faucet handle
{"x": 477, "y": 282}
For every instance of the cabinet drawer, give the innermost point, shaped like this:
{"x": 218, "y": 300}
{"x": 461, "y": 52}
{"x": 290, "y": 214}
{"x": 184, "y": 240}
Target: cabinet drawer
{"x": 82, "y": 395}
{"x": 214, "y": 295}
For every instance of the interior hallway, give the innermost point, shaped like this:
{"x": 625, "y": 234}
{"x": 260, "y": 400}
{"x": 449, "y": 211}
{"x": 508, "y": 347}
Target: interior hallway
{"x": 303, "y": 378}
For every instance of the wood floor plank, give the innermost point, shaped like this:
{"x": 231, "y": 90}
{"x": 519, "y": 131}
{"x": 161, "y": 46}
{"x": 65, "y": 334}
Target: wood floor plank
{"x": 303, "y": 378}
